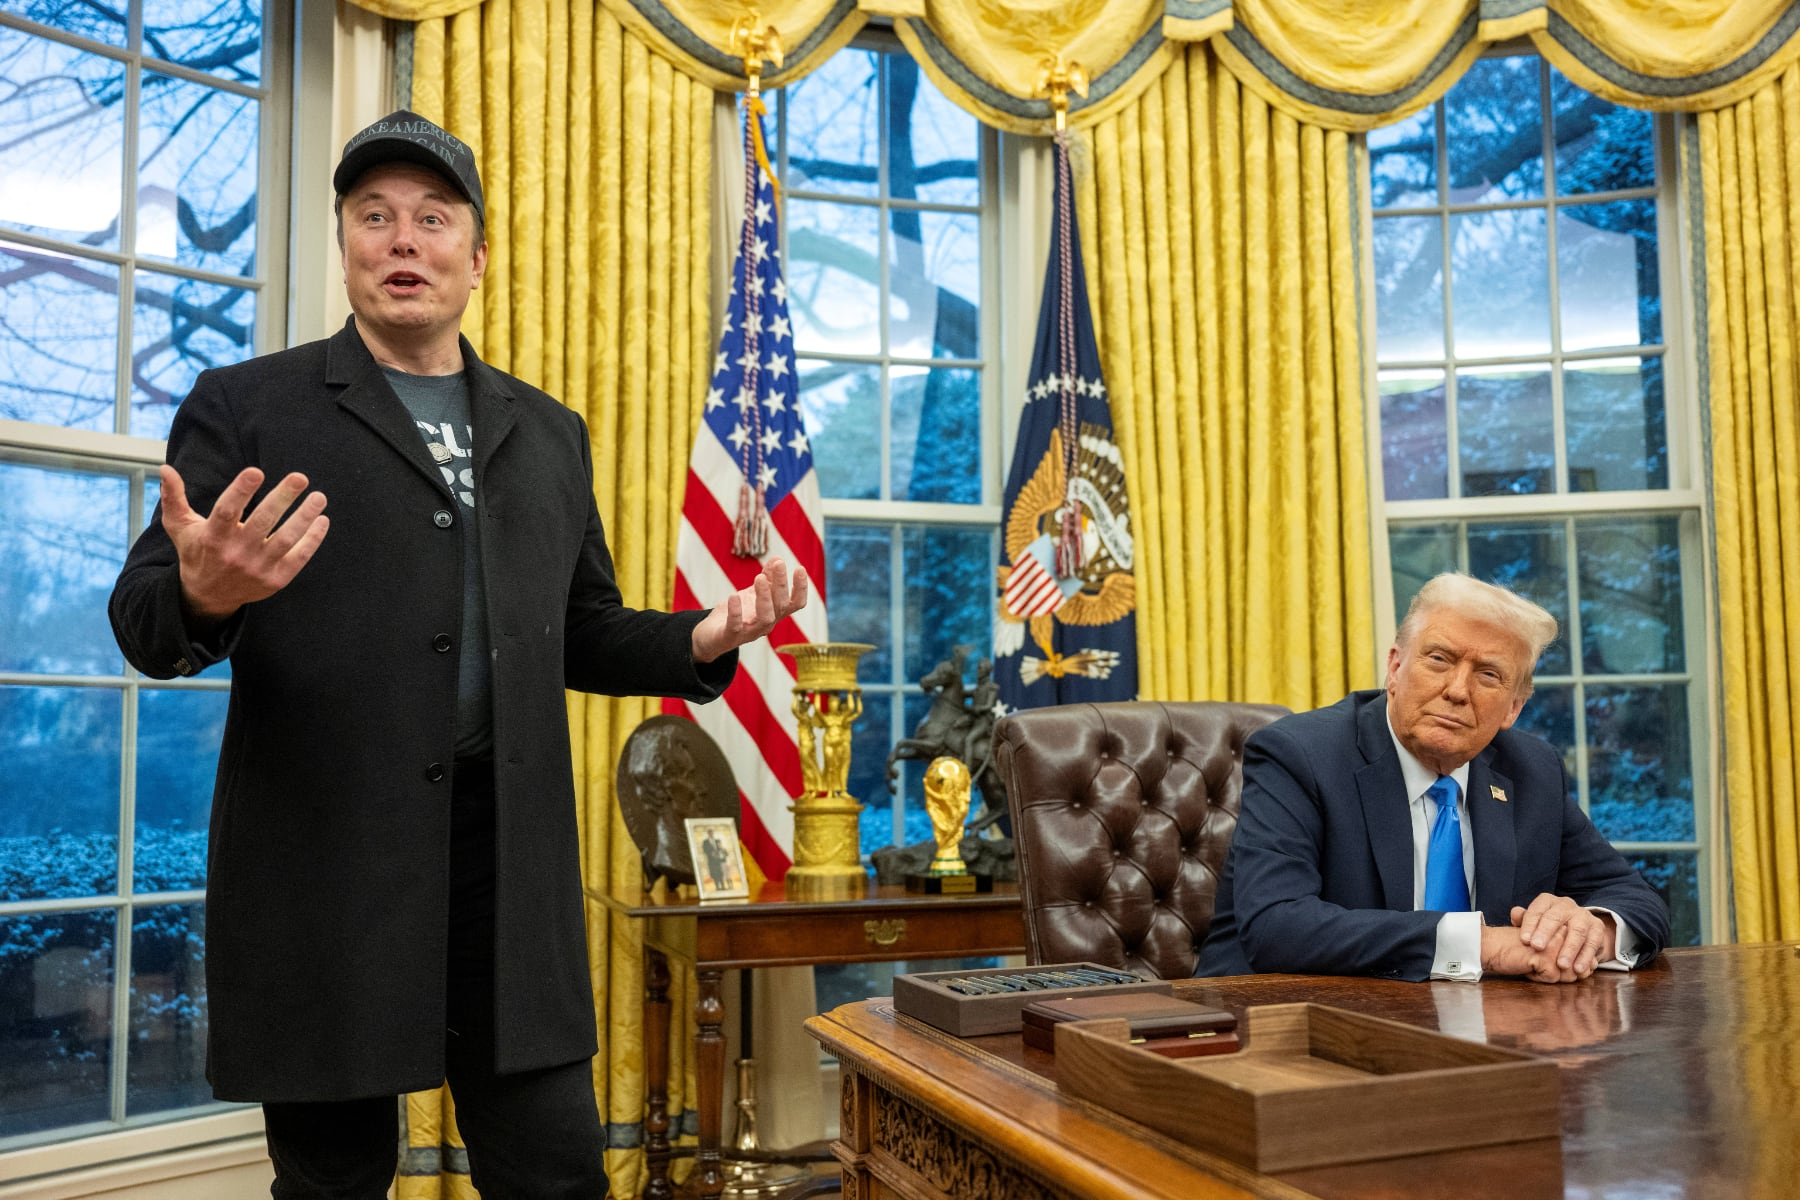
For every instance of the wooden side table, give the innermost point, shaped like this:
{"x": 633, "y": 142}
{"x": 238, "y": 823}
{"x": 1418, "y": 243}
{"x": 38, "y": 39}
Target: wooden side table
{"x": 769, "y": 930}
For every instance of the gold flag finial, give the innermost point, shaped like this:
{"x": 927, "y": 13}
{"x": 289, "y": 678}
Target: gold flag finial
{"x": 1056, "y": 79}
{"x": 754, "y": 42}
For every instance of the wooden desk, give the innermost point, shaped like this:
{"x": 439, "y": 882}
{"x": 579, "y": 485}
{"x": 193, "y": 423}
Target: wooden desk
{"x": 769, "y": 930}
{"x": 1681, "y": 1080}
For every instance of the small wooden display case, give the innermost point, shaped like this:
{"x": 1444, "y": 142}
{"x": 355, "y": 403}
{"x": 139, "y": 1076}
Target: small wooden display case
{"x": 1315, "y": 1085}
{"x": 924, "y": 997}
{"x": 1177, "y": 1028}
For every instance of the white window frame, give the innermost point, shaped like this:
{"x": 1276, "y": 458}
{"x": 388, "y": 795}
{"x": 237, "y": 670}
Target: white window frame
{"x": 1686, "y": 496}
{"x": 897, "y": 516}
{"x": 294, "y": 163}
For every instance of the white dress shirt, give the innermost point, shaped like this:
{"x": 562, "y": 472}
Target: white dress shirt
{"x": 1458, "y": 954}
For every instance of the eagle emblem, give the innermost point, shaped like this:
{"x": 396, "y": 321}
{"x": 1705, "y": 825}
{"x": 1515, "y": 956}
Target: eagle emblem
{"x": 1032, "y": 595}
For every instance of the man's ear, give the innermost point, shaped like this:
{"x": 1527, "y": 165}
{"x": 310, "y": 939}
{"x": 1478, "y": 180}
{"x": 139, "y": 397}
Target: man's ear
{"x": 1518, "y": 706}
{"x": 480, "y": 266}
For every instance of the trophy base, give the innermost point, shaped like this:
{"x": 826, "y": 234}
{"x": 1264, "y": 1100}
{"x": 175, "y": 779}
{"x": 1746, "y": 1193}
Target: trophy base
{"x": 827, "y": 883}
{"x": 966, "y": 884}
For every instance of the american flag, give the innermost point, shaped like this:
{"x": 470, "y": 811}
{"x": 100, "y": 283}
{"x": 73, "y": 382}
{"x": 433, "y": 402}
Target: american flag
{"x": 752, "y": 495}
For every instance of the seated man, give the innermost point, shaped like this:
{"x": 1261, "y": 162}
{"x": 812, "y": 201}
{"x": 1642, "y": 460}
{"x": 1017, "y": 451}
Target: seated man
{"x": 1414, "y": 834}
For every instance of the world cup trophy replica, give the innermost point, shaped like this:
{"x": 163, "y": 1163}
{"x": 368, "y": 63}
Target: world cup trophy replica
{"x": 827, "y": 702}
{"x": 947, "y": 803}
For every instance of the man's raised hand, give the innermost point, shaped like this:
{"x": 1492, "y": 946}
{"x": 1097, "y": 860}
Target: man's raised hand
{"x": 229, "y": 560}
{"x": 752, "y": 612}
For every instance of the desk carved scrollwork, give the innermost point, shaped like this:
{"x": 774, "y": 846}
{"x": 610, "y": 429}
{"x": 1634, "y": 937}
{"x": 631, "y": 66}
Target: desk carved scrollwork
{"x": 945, "y": 1158}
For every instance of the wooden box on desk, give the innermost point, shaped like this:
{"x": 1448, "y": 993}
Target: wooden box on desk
{"x": 924, "y": 997}
{"x": 1315, "y": 1085}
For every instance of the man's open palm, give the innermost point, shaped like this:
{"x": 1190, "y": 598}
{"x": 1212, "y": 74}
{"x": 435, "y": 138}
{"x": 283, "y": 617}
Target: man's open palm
{"x": 229, "y": 560}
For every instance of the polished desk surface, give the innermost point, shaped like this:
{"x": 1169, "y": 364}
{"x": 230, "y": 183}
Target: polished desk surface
{"x": 1679, "y": 1080}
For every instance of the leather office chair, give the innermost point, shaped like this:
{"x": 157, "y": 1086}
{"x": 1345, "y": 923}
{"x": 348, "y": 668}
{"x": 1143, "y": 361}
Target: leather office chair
{"x": 1122, "y": 814}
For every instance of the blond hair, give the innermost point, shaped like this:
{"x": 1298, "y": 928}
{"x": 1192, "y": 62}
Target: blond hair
{"x": 1508, "y": 610}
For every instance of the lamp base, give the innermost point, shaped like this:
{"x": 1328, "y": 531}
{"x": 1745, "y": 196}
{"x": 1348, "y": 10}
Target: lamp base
{"x": 754, "y": 1180}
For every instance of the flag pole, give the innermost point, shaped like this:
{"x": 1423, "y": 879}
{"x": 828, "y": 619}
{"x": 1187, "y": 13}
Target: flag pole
{"x": 754, "y": 42}
{"x": 1057, "y": 79}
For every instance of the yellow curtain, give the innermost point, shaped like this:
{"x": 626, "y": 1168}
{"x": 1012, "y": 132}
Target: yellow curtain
{"x": 987, "y": 57}
{"x": 1340, "y": 64}
{"x": 696, "y": 35}
{"x": 596, "y": 158}
{"x": 1358, "y": 64}
{"x": 1220, "y": 240}
{"x": 1749, "y": 172}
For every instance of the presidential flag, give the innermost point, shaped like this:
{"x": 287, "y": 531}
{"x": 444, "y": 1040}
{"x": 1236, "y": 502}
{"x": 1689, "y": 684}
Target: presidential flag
{"x": 1066, "y": 629}
{"x": 752, "y": 495}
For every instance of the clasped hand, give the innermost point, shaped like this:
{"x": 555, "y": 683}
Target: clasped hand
{"x": 1555, "y": 940}
{"x": 751, "y": 612}
{"x": 229, "y": 560}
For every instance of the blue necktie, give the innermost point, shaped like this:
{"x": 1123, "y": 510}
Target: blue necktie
{"x": 1446, "y": 886}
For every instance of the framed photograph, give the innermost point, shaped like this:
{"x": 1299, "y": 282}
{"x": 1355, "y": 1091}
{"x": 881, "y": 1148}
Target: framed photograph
{"x": 718, "y": 862}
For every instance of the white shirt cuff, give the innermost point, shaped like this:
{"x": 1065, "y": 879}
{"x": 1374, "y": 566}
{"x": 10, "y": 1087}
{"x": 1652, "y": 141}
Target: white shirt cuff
{"x": 1458, "y": 947}
{"x": 1625, "y": 943}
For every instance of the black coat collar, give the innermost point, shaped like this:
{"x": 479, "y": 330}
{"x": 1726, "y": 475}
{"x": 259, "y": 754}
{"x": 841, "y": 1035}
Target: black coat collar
{"x": 368, "y": 396}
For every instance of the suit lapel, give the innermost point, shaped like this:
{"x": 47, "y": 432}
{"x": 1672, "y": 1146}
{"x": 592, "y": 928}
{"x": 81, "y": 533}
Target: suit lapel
{"x": 1496, "y": 848}
{"x": 368, "y": 397}
{"x": 1382, "y": 789}
{"x": 492, "y": 410}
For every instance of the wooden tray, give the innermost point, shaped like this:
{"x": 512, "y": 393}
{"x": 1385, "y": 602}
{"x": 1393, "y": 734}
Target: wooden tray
{"x": 924, "y": 997}
{"x": 1315, "y": 1085}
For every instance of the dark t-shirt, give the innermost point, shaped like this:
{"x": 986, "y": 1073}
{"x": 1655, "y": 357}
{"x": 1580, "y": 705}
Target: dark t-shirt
{"x": 439, "y": 405}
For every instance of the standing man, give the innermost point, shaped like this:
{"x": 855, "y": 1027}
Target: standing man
{"x": 1414, "y": 834}
{"x": 394, "y": 894}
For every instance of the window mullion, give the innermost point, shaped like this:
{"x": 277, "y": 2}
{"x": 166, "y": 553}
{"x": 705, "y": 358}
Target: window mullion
{"x": 128, "y": 188}
{"x": 1559, "y": 449}
{"x": 897, "y": 710}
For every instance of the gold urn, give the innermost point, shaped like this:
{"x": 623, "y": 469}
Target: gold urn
{"x": 827, "y": 702}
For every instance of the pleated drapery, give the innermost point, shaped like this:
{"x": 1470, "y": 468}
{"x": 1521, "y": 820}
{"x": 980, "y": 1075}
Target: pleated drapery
{"x": 596, "y": 160}
{"x": 1339, "y": 64}
{"x": 1750, "y": 176}
{"x": 1220, "y": 237}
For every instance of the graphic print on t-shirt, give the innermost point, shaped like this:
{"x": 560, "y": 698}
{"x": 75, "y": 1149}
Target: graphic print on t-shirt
{"x": 459, "y": 472}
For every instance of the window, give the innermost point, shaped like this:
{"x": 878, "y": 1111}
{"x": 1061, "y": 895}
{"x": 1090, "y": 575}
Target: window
{"x": 888, "y": 209}
{"x": 140, "y": 243}
{"x": 1534, "y": 430}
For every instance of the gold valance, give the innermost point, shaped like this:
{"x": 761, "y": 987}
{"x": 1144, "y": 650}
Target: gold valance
{"x": 1339, "y": 64}
{"x": 1357, "y": 64}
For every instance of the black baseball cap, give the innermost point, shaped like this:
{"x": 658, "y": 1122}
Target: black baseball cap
{"x": 405, "y": 136}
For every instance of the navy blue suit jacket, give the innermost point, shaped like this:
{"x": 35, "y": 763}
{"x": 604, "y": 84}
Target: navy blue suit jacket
{"x": 1319, "y": 879}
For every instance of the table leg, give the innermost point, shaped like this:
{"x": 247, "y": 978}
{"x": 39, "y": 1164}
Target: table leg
{"x": 709, "y": 1079}
{"x": 656, "y": 1076}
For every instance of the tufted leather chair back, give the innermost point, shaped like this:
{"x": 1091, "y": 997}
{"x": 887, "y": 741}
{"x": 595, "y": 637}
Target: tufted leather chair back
{"x": 1122, "y": 814}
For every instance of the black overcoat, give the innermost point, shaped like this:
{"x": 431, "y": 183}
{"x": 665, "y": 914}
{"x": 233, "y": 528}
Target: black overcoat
{"x": 328, "y": 861}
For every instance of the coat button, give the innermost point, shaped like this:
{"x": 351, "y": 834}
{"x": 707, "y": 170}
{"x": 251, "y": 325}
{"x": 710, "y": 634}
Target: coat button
{"x": 442, "y": 518}
{"x": 441, "y": 643}
{"x": 434, "y": 772}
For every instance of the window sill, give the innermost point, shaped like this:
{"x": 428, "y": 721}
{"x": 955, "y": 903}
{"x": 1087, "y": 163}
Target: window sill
{"x": 134, "y": 1158}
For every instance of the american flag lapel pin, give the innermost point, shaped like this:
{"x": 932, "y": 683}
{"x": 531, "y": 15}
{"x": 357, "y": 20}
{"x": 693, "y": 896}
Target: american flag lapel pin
{"x": 1497, "y": 792}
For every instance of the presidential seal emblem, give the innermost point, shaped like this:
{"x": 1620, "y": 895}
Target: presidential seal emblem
{"x": 1036, "y": 590}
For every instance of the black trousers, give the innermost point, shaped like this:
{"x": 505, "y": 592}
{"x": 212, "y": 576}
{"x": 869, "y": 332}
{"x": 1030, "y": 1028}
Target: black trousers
{"x": 534, "y": 1135}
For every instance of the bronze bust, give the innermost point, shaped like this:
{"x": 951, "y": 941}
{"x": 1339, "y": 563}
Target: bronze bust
{"x": 671, "y": 770}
